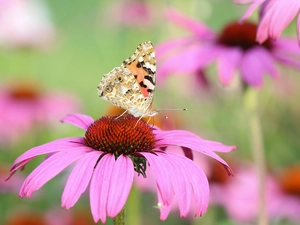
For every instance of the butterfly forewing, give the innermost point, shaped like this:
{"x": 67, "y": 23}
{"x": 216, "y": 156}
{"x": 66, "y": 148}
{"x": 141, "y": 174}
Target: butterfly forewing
{"x": 131, "y": 86}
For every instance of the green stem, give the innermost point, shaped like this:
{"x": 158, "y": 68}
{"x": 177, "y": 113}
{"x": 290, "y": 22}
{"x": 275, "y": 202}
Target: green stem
{"x": 256, "y": 138}
{"x": 120, "y": 219}
{"x": 134, "y": 206}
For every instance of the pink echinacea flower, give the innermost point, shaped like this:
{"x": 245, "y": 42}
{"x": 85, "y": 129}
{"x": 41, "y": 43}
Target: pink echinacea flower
{"x": 109, "y": 154}
{"x": 283, "y": 194}
{"x": 130, "y": 13}
{"x": 25, "y": 105}
{"x": 234, "y": 49}
{"x": 275, "y": 15}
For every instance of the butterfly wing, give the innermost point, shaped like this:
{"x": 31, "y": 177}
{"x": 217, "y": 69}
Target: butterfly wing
{"x": 131, "y": 86}
{"x": 142, "y": 64}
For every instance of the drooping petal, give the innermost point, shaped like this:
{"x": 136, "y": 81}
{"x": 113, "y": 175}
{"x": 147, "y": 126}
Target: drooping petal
{"x": 189, "y": 140}
{"x": 227, "y": 62}
{"x": 163, "y": 182}
{"x": 79, "y": 178}
{"x": 181, "y": 184}
{"x": 287, "y": 51}
{"x": 282, "y": 15}
{"x": 120, "y": 184}
{"x": 243, "y": 1}
{"x": 163, "y": 208}
{"x": 174, "y": 45}
{"x": 188, "y": 182}
{"x": 276, "y": 18}
{"x": 251, "y": 8}
{"x": 50, "y": 168}
{"x": 199, "y": 29}
{"x": 255, "y": 63}
{"x": 79, "y": 120}
{"x": 298, "y": 28}
{"x": 99, "y": 187}
{"x": 54, "y": 146}
{"x": 191, "y": 60}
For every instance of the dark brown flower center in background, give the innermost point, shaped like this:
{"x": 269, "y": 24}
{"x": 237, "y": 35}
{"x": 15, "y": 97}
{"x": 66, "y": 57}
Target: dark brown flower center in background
{"x": 290, "y": 180}
{"x": 123, "y": 135}
{"x": 24, "y": 91}
{"x": 26, "y": 219}
{"x": 241, "y": 35}
{"x": 218, "y": 174}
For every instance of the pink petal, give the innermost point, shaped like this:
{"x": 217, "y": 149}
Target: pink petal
{"x": 298, "y": 28}
{"x": 227, "y": 62}
{"x": 192, "y": 59}
{"x": 54, "y": 146}
{"x": 120, "y": 184}
{"x": 167, "y": 46}
{"x": 186, "y": 180}
{"x": 49, "y": 169}
{"x": 278, "y": 15}
{"x": 251, "y": 9}
{"x": 255, "y": 63}
{"x": 283, "y": 14}
{"x": 79, "y": 178}
{"x": 80, "y": 120}
{"x": 99, "y": 187}
{"x": 287, "y": 51}
{"x": 288, "y": 45}
{"x": 194, "y": 26}
{"x": 287, "y": 60}
{"x": 190, "y": 140}
{"x": 243, "y": 1}
{"x": 164, "y": 209}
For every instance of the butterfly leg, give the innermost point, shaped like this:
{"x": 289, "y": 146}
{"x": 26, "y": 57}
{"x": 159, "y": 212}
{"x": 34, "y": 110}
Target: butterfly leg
{"x": 121, "y": 115}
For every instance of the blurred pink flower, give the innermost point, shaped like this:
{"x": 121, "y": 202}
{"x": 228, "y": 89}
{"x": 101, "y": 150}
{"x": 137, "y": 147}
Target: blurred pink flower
{"x": 25, "y": 217}
{"x": 131, "y": 13}
{"x": 12, "y": 186}
{"x": 287, "y": 198}
{"x": 25, "y": 23}
{"x": 275, "y": 15}
{"x": 107, "y": 157}
{"x": 239, "y": 196}
{"x": 234, "y": 49}
{"x": 62, "y": 217}
{"x": 24, "y": 105}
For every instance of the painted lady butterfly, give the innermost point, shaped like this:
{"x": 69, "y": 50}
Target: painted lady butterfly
{"x": 131, "y": 86}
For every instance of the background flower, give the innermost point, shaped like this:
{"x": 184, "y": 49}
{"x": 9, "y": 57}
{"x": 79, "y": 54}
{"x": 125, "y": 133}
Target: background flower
{"x": 25, "y": 106}
{"x": 234, "y": 49}
{"x": 275, "y": 15}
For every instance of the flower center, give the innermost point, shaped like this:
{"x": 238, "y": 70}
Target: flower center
{"x": 25, "y": 219}
{"x": 118, "y": 135}
{"x": 290, "y": 180}
{"x": 218, "y": 174}
{"x": 24, "y": 92}
{"x": 241, "y": 35}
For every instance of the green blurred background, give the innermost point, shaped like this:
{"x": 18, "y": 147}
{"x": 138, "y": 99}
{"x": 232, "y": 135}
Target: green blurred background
{"x": 89, "y": 44}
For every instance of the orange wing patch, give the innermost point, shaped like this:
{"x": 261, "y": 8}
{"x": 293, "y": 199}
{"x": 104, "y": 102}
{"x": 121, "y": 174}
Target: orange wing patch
{"x": 131, "y": 86}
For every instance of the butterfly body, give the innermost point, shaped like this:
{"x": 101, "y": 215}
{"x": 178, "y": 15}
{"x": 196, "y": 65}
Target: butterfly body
{"x": 131, "y": 86}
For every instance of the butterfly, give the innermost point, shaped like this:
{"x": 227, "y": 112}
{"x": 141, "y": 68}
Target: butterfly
{"x": 132, "y": 85}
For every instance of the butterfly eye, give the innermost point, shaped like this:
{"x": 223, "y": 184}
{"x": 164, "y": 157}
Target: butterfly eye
{"x": 108, "y": 89}
{"x": 120, "y": 78}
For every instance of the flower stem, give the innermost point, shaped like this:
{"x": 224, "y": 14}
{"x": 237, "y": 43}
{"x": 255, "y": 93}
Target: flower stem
{"x": 120, "y": 219}
{"x": 256, "y": 136}
{"x": 134, "y": 206}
